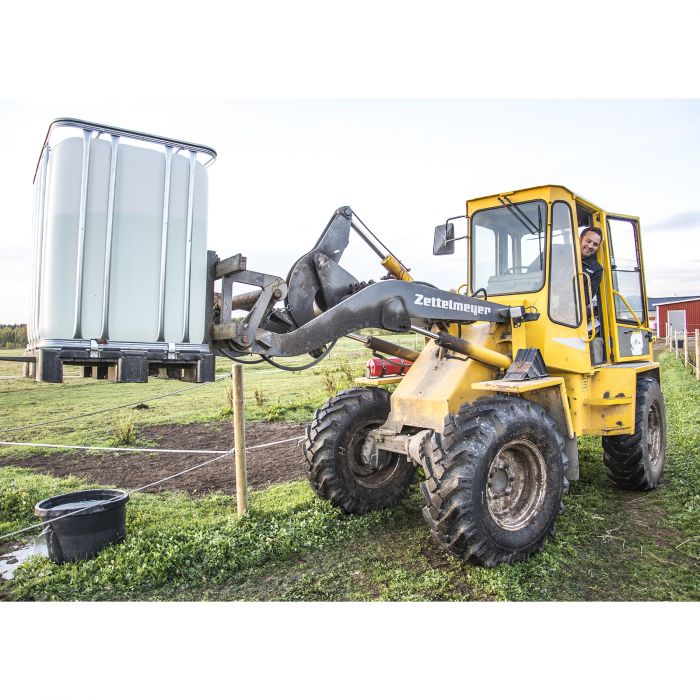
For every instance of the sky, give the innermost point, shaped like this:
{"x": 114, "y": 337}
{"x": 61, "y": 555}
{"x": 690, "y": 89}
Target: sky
{"x": 404, "y": 165}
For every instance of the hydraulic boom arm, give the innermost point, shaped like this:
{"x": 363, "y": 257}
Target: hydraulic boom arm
{"x": 323, "y": 302}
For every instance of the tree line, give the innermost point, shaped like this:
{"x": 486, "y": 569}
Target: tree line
{"x": 13, "y": 335}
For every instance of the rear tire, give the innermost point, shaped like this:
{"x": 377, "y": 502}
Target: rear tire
{"x": 495, "y": 482}
{"x": 636, "y": 462}
{"x": 333, "y": 452}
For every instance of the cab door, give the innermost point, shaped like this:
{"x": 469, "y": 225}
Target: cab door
{"x": 626, "y": 305}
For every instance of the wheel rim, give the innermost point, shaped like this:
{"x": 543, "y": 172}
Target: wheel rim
{"x": 364, "y": 473}
{"x": 654, "y": 436}
{"x": 517, "y": 483}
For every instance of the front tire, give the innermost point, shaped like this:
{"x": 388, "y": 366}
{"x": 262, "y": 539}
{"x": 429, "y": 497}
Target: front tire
{"x": 333, "y": 451}
{"x": 636, "y": 462}
{"x": 495, "y": 481}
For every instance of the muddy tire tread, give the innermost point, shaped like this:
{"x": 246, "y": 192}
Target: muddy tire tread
{"x": 447, "y": 490}
{"x": 623, "y": 455}
{"x": 321, "y": 451}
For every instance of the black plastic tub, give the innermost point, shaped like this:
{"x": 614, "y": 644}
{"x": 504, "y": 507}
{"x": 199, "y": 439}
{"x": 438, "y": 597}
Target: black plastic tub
{"x": 83, "y": 535}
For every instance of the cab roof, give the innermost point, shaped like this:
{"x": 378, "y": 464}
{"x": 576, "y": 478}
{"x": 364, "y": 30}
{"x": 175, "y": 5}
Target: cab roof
{"x": 533, "y": 190}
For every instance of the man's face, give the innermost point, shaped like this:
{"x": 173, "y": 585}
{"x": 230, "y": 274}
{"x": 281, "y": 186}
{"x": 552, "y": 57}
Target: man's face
{"x": 590, "y": 242}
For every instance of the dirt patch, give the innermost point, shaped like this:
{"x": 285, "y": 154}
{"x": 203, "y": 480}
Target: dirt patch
{"x": 644, "y": 516}
{"x": 267, "y": 466}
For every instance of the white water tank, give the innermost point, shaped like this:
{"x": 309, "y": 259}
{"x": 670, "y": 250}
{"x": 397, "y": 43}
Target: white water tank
{"x": 120, "y": 239}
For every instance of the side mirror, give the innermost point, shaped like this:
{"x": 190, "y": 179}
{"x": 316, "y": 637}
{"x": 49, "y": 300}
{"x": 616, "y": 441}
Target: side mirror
{"x": 444, "y": 241}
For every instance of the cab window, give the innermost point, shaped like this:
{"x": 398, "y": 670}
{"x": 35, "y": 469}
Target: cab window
{"x": 626, "y": 273}
{"x": 564, "y": 304}
{"x": 508, "y": 248}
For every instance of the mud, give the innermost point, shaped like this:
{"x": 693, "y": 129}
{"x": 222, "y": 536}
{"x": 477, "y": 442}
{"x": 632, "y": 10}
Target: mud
{"x": 267, "y": 466}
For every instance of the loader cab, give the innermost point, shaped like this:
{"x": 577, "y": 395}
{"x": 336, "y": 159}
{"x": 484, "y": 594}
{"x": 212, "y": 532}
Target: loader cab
{"x": 524, "y": 250}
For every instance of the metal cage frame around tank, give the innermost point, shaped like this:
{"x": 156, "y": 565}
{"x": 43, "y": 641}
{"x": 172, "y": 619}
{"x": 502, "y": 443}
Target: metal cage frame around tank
{"x": 94, "y": 130}
{"x": 90, "y": 132}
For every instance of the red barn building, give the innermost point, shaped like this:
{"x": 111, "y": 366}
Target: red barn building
{"x": 680, "y": 315}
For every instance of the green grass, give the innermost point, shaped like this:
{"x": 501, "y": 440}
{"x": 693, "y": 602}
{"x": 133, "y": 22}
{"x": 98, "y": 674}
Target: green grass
{"x": 610, "y": 544}
{"x": 177, "y": 544}
{"x": 270, "y": 394}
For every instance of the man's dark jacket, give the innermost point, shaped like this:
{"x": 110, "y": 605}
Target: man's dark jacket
{"x": 592, "y": 267}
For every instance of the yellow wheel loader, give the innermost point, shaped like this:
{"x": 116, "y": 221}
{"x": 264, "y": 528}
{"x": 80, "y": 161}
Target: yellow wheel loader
{"x": 531, "y": 356}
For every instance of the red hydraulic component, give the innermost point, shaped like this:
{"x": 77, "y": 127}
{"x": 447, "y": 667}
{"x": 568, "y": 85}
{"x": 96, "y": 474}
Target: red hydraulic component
{"x": 386, "y": 366}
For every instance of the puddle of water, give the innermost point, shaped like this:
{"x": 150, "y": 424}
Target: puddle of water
{"x": 9, "y": 561}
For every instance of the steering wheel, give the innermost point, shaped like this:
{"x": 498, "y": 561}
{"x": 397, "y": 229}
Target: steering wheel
{"x": 511, "y": 270}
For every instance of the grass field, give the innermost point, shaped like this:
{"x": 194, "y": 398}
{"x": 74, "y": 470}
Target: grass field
{"x": 610, "y": 544}
{"x": 270, "y": 394}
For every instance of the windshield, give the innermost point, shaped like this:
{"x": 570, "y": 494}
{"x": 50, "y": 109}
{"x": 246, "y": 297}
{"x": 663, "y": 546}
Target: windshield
{"x": 507, "y": 250}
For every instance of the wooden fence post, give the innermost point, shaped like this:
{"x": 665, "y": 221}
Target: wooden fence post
{"x": 697, "y": 354}
{"x": 668, "y": 338}
{"x": 685, "y": 347}
{"x": 675, "y": 341}
{"x": 239, "y": 439}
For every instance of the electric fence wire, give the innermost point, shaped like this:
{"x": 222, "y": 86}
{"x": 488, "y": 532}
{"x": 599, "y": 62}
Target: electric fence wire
{"x": 136, "y": 403}
{"x": 99, "y": 448}
{"x": 221, "y": 455}
{"x": 111, "y": 408}
{"x": 128, "y": 492}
